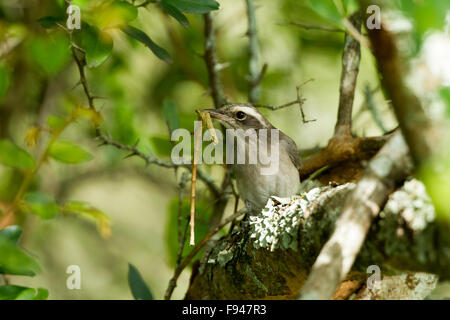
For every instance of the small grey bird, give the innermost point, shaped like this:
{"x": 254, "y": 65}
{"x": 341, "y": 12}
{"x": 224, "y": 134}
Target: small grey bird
{"x": 254, "y": 187}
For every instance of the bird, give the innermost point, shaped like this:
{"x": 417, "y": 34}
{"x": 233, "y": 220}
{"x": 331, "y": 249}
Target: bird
{"x": 254, "y": 186}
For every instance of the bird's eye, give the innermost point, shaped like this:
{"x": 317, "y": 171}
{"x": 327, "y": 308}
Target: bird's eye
{"x": 240, "y": 115}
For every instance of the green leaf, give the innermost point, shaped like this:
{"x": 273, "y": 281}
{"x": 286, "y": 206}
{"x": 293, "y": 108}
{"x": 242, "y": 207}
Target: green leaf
{"x": 50, "y": 53}
{"x": 67, "y": 152}
{"x": 13, "y": 156}
{"x": 11, "y": 233}
{"x": 11, "y": 292}
{"x": 445, "y": 95}
{"x": 138, "y": 287}
{"x": 171, "y": 116}
{"x": 55, "y": 123}
{"x": 114, "y": 14}
{"x": 124, "y": 130}
{"x": 127, "y": 11}
{"x": 14, "y": 261}
{"x": 42, "y": 205}
{"x": 194, "y": 6}
{"x": 5, "y": 78}
{"x": 175, "y": 13}
{"x": 86, "y": 210}
{"x": 97, "y": 44}
{"x": 145, "y": 39}
{"x": 426, "y": 15}
{"x": 49, "y": 21}
{"x": 328, "y": 10}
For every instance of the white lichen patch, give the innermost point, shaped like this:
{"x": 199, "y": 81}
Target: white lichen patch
{"x": 224, "y": 256}
{"x": 276, "y": 226}
{"x": 413, "y": 204}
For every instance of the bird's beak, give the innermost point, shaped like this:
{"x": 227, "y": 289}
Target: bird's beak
{"x": 216, "y": 114}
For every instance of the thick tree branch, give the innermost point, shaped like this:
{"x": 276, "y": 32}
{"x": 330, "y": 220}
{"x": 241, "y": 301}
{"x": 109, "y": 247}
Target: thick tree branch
{"x": 242, "y": 265}
{"x": 390, "y": 166}
{"x": 420, "y": 134}
{"x": 211, "y": 62}
{"x": 343, "y": 146}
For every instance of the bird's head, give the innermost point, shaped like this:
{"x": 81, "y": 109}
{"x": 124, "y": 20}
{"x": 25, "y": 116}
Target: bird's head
{"x": 240, "y": 116}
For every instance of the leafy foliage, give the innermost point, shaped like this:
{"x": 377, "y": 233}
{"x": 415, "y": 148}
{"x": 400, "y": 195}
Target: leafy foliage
{"x": 13, "y": 260}
{"x": 11, "y": 292}
{"x": 13, "y": 156}
{"x": 41, "y": 205}
{"x": 141, "y": 36}
{"x": 67, "y": 152}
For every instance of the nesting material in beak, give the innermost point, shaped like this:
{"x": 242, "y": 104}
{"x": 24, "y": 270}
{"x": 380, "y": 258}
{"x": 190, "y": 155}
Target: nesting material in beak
{"x": 206, "y": 119}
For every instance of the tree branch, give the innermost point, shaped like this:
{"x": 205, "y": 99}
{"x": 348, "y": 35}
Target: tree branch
{"x": 351, "y": 58}
{"x": 242, "y": 264}
{"x": 211, "y": 62}
{"x": 255, "y": 75}
{"x": 389, "y": 167}
{"x": 420, "y": 134}
{"x": 197, "y": 248}
{"x": 134, "y": 151}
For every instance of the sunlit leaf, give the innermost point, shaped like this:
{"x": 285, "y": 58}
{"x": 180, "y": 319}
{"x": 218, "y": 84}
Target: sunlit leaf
{"x": 175, "y": 13}
{"x": 11, "y": 292}
{"x": 13, "y": 156}
{"x": 42, "y": 205}
{"x": 425, "y": 15}
{"x": 138, "y": 287}
{"x": 194, "y": 6}
{"x": 115, "y": 14}
{"x": 145, "y": 39}
{"x": 171, "y": 116}
{"x": 67, "y": 152}
{"x": 86, "y": 210}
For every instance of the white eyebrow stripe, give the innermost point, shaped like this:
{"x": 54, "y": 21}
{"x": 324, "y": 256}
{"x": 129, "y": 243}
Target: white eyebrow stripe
{"x": 251, "y": 112}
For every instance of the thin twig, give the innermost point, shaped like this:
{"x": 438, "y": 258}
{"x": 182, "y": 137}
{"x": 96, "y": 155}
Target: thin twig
{"x": 134, "y": 151}
{"x": 197, "y": 248}
{"x": 312, "y": 27}
{"x": 368, "y": 97}
{"x": 255, "y": 75}
{"x": 197, "y": 144}
{"x": 211, "y": 62}
{"x": 181, "y": 231}
{"x": 300, "y": 101}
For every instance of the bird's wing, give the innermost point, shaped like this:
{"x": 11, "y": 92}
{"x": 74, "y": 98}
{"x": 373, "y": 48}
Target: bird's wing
{"x": 291, "y": 148}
